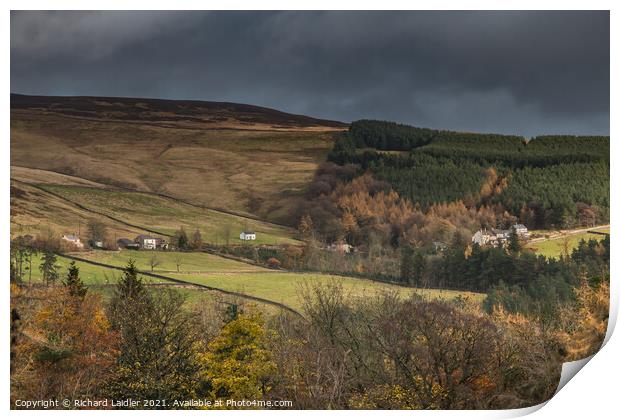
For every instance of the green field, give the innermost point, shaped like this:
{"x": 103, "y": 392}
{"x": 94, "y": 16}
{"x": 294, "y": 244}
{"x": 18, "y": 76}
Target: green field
{"x": 191, "y": 262}
{"x": 90, "y": 274}
{"x": 166, "y": 215}
{"x": 554, "y": 247}
{"x": 102, "y": 280}
{"x": 278, "y": 286}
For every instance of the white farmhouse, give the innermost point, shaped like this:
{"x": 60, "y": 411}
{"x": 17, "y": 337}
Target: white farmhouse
{"x": 247, "y": 236}
{"x": 341, "y": 247}
{"x": 521, "y": 231}
{"x": 498, "y": 237}
{"x": 148, "y": 242}
{"x": 74, "y": 240}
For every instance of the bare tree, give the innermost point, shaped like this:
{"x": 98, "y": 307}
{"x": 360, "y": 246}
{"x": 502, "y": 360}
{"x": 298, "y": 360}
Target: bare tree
{"x": 154, "y": 261}
{"x": 178, "y": 260}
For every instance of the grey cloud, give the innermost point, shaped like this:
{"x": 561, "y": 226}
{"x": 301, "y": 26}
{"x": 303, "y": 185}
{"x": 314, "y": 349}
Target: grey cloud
{"x": 515, "y": 72}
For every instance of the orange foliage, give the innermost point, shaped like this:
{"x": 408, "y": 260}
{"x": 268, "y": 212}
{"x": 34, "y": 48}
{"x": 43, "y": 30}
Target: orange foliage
{"x": 66, "y": 349}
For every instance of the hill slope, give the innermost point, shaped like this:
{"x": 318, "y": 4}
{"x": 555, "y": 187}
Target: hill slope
{"x": 177, "y": 113}
{"x": 251, "y": 160}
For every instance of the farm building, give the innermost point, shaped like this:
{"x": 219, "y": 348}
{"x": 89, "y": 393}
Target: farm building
{"x": 247, "y": 236}
{"x": 150, "y": 242}
{"x": 125, "y": 243}
{"x": 490, "y": 237}
{"x": 521, "y": 231}
{"x": 74, "y": 240}
{"x": 343, "y": 247}
{"x": 96, "y": 243}
{"x": 498, "y": 237}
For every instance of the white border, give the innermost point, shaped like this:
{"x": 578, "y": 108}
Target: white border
{"x": 591, "y": 395}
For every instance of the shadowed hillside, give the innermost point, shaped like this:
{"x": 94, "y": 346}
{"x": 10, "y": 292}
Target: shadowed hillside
{"x": 196, "y": 114}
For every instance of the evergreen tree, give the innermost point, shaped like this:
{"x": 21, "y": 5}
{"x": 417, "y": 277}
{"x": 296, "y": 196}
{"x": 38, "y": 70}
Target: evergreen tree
{"x": 74, "y": 283}
{"x": 406, "y": 263}
{"x": 417, "y": 268}
{"x": 514, "y": 244}
{"x": 157, "y": 358}
{"x": 130, "y": 286}
{"x": 48, "y": 267}
{"x": 181, "y": 240}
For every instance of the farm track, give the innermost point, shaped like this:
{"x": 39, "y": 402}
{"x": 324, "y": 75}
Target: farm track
{"x": 161, "y": 195}
{"x": 188, "y": 283}
{"x": 562, "y": 234}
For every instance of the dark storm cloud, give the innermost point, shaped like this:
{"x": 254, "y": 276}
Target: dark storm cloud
{"x": 513, "y": 72}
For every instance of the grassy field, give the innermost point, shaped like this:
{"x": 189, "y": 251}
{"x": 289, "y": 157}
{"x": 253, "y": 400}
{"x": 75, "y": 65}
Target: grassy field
{"x": 279, "y": 286}
{"x": 259, "y": 172}
{"x": 554, "y": 247}
{"x": 102, "y": 280}
{"x": 191, "y": 262}
{"x": 90, "y": 274}
{"x": 167, "y": 215}
{"x": 36, "y": 212}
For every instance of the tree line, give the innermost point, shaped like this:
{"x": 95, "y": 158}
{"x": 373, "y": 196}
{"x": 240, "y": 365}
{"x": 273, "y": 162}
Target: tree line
{"x": 386, "y": 352}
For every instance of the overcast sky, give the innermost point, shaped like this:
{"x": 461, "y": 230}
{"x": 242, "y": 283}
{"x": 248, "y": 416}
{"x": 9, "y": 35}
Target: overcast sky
{"x": 525, "y": 73}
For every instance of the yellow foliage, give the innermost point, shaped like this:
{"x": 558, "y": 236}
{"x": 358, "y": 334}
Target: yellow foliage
{"x": 237, "y": 364}
{"x": 396, "y": 397}
{"x": 591, "y": 324}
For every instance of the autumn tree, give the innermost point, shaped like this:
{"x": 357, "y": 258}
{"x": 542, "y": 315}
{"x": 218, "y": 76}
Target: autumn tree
{"x": 196, "y": 240}
{"x": 306, "y": 226}
{"x": 69, "y": 347}
{"x": 237, "y": 363}
{"x": 273, "y": 262}
{"x": 590, "y": 316}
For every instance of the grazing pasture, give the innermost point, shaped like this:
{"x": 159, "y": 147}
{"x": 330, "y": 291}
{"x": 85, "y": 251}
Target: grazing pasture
{"x": 554, "y": 247}
{"x": 279, "y": 286}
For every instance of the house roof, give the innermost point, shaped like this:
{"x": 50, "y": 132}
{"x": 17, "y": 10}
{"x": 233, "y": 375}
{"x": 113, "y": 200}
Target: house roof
{"x": 248, "y": 232}
{"x": 71, "y": 237}
{"x": 143, "y": 237}
{"x": 519, "y": 226}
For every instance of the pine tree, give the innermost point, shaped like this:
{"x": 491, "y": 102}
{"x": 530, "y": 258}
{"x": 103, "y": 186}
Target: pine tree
{"x": 130, "y": 286}
{"x": 418, "y": 264}
{"x": 406, "y": 263}
{"x": 514, "y": 244}
{"x": 48, "y": 267}
{"x": 181, "y": 239}
{"x": 74, "y": 283}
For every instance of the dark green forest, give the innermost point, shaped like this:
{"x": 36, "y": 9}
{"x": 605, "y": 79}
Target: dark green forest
{"x": 545, "y": 182}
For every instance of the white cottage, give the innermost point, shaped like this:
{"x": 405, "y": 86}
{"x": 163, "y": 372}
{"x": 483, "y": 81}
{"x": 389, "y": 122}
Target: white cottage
{"x": 521, "y": 231}
{"x": 247, "y": 236}
{"x": 73, "y": 239}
